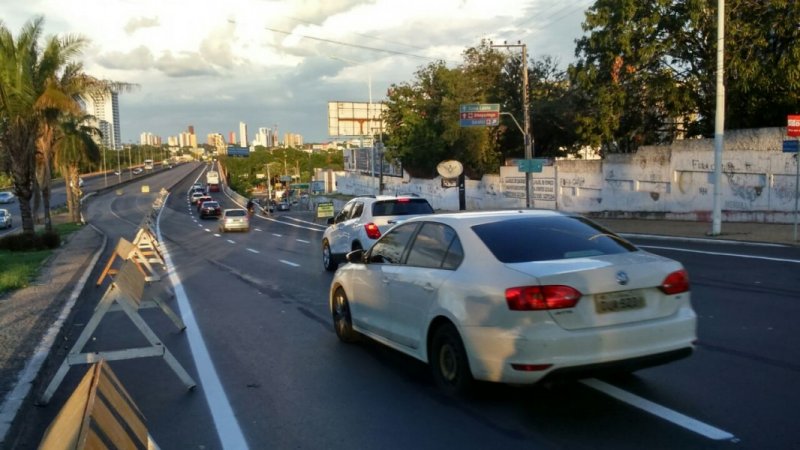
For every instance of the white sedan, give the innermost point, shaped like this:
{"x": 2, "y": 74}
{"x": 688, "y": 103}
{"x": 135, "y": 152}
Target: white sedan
{"x": 7, "y": 197}
{"x": 514, "y": 297}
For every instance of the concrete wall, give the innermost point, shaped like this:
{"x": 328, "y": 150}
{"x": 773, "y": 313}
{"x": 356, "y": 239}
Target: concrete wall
{"x": 674, "y": 182}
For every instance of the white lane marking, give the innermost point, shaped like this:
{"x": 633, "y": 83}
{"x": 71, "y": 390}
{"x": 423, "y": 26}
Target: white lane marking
{"x": 658, "y": 410}
{"x": 252, "y": 250}
{"x": 277, "y": 235}
{"x": 290, "y": 263}
{"x": 199, "y": 224}
{"x": 735, "y": 255}
{"x": 232, "y": 242}
{"x": 289, "y": 224}
{"x": 258, "y": 229}
{"x": 14, "y": 399}
{"x": 228, "y": 429}
{"x": 217, "y": 234}
{"x": 662, "y": 237}
{"x": 207, "y": 230}
{"x": 303, "y": 241}
{"x": 305, "y": 221}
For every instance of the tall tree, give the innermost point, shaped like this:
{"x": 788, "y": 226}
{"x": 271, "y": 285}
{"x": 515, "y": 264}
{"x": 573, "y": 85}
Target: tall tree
{"x": 75, "y": 145}
{"x": 19, "y": 125}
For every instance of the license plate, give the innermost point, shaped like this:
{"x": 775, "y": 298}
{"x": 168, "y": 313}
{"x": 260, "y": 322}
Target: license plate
{"x": 618, "y": 301}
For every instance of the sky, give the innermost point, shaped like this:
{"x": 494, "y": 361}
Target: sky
{"x": 279, "y": 63}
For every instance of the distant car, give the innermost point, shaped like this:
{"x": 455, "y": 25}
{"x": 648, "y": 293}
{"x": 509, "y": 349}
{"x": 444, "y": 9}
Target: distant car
{"x": 137, "y": 171}
{"x": 194, "y": 196}
{"x": 210, "y": 209}
{"x": 514, "y": 297}
{"x": 199, "y": 201}
{"x": 7, "y": 197}
{"x": 363, "y": 220}
{"x": 284, "y": 206}
{"x": 234, "y": 219}
{"x": 198, "y": 186}
{"x": 5, "y": 219}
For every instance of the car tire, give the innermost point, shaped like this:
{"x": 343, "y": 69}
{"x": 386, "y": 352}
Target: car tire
{"x": 327, "y": 257}
{"x": 342, "y": 320}
{"x": 448, "y": 361}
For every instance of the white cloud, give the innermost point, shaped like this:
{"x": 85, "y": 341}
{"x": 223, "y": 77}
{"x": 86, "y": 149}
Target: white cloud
{"x": 216, "y": 65}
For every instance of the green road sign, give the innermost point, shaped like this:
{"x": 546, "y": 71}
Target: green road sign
{"x": 530, "y": 165}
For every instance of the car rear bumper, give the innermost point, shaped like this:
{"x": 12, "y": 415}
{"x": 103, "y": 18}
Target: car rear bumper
{"x": 563, "y": 352}
{"x": 235, "y": 226}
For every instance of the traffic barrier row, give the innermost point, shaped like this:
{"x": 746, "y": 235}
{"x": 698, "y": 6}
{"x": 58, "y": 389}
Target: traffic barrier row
{"x": 130, "y": 268}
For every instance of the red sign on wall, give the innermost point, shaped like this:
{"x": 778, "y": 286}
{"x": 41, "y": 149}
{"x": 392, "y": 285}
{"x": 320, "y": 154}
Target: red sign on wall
{"x": 793, "y": 126}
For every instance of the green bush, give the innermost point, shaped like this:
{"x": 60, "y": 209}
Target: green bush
{"x": 24, "y": 242}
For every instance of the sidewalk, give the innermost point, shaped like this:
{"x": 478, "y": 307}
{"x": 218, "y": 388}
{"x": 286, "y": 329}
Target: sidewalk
{"x": 732, "y": 231}
{"x": 27, "y": 314}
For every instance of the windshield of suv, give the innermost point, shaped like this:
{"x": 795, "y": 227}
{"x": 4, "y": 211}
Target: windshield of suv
{"x": 401, "y": 207}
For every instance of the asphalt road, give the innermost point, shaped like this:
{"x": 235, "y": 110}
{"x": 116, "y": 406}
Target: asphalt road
{"x": 271, "y": 373}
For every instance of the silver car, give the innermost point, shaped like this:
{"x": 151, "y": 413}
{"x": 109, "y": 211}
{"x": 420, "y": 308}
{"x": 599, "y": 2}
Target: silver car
{"x": 7, "y": 197}
{"x": 514, "y": 297}
{"x": 234, "y": 219}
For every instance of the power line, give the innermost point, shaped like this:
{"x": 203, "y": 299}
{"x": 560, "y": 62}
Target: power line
{"x": 347, "y": 44}
{"x": 368, "y": 36}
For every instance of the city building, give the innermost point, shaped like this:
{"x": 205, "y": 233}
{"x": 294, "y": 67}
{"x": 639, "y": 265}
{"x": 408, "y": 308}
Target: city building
{"x": 292, "y": 140}
{"x": 105, "y": 109}
{"x": 242, "y": 134}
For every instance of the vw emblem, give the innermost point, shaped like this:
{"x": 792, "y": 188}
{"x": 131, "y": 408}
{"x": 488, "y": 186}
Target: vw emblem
{"x": 622, "y": 278}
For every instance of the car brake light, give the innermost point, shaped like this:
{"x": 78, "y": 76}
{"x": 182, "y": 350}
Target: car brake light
{"x": 531, "y": 367}
{"x": 373, "y": 232}
{"x": 539, "y": 298}
{"x": 403, "y": 200}
{"x": 675, "y": 283}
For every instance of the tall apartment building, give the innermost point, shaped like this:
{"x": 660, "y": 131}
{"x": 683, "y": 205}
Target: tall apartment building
{"x": 292, "y": 140}
{"x": 105, "y": 109}
{"x": 243, "y": 134}
{"x": 148, "y": 138}
{"x": 218, "y": 142}
{"x": 232, "y": 138}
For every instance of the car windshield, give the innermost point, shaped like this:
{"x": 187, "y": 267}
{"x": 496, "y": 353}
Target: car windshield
{"x": 549, "y": 238}
{"x": 236, "y": 213}
{"x": 401, "y": 207}
{"x": 210, "y": 205}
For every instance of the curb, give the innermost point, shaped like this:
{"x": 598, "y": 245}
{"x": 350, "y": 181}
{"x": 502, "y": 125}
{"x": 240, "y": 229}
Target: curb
{"x": 13, "y": 401}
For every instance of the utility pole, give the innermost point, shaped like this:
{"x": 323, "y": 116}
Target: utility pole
{"x": 526, "y": 113}
{"x": 719, "y": 122}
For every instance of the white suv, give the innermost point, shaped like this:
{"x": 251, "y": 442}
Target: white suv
{"x": 362, "y": 221}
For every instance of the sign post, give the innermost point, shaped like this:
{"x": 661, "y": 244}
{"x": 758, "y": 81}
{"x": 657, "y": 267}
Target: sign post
{"x": 479, "y": 115}
{"x": 793, "y": 130}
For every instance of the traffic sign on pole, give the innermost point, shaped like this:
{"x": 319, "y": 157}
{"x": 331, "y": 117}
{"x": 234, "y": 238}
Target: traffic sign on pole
{"x": 793, "y": 126}
{"x": 790, "y": 146}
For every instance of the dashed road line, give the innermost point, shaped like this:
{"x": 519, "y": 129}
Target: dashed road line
{"x": 289, "y": 263}
{"x": 217, "y": 234}
{"x": 655, "y": 409}
{"x": 277, "y": 235}
{"x": 231, "y": 241}
{"x": 303, "y": 241}
{"x": 252, "y": 250}
{"x": 258, "y": 229}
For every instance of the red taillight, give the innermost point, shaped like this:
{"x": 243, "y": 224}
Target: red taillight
{"x": 373, "y": 232}
{"x": 531, "y": 367}
{"x": 675, "y": 283}
{"x": 537, "y": 298}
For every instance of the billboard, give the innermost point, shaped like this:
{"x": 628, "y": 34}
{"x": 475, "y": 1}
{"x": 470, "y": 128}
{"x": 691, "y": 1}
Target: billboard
{"x": 355, "y": 119}
{"x": 238, "y": 151}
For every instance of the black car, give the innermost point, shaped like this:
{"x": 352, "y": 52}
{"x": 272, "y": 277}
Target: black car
{"x": 284, "y": 206}
{"x": 210, "y": 209}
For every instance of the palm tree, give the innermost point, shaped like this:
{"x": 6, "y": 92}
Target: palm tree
{"x": 18, "y": 116}
{"x": 75, "y": 145}
{"x": 62, "y": 94}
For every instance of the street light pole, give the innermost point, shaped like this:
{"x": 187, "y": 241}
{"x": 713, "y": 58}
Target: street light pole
{"x": 719, "y": 122}
{"x": 526, "y": 114}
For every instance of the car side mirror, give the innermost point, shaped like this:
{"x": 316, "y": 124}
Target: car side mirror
{"x": 330, "y": 220}
{"x": 356, "y": 256}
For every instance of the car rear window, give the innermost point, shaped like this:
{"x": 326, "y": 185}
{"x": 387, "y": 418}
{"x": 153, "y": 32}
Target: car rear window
{"x": 549, "y": 238}
{"x": 236, "y": 213}
{"x": 401, "y": 207}
{"x": 210, "y": 204}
